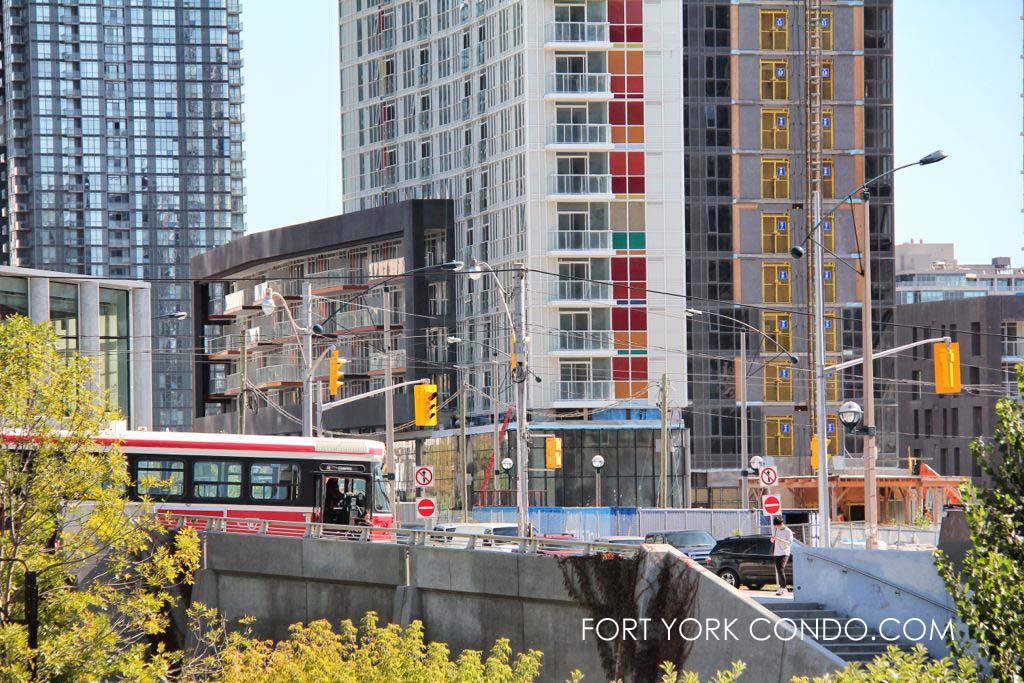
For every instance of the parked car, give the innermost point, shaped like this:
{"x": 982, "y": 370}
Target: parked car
{"x": 480, "y": 529}
{"x": 746, "y": 561}
{"x": 621, "y": 540}
{"x": 696, "y": 545}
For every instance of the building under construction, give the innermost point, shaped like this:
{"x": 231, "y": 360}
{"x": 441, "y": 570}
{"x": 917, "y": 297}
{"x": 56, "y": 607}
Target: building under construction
{"x": 782, "y": 101}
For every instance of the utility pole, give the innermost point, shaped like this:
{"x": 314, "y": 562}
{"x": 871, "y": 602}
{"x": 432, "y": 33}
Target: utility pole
{"x": 389, "y": 401}
{"x": 687, "y": 482}
{"x": 744, "y": 440}
{"x": 818, "y": 377}
{"x": 520, "y": 376}
{"x": 319, "y": 408}
{"x": 663, "y": 408}
{"x": 463, "y": 453}
{"x": 307, "y": 351}
{"x": 496, "y": 439}
{"x": 244, "y": 383}
{"x": 870, "y": 445}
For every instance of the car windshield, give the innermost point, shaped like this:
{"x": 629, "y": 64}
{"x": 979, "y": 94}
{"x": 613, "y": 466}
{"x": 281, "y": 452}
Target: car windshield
{"x": 504, "y": 531}
{"x": 689, "y": 538}
{"x": 626, "y": 541}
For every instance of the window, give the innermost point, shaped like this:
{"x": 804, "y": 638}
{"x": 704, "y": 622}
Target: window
{"x": 828, "y": 279}
{"x": 927, "y": 421}
{"x": 115, "y": 378}
{"x": 915, "y": 385}
{"x": 774, "y": 79}
{"x": 826, "y": 31}
{"x": 778, "y": 436}
{"x": 774, "y": 178}
{"x": 775, "y": 233}
{"x": 977, "y": 420}
{"x": 828, "y": 235}
{"x": 778, "y": 382}
{"x": 832, "y": 434}
{"x": 775, "y": 287}
{"x": 828, "y": 137}
{"x": 13, "y": 296}
{"x": 160, "y": 478}
{"x": 828, "y": 183}
{"x": 217, "y": 479}
{"x": 831, "y": 333}
{"x": 831, "y": 383}
{"x": 64, "y": 314}
{"x": 778, "y": 326}
{"x": 774, "y": 129}
{"x": 274, "y": 481}
{"x": 827, "y": 86}
{"x": 774, "y": 29}
{"x": 976, "y": 339}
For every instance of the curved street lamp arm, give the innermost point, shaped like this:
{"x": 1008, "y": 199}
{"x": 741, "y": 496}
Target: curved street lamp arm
{"x": 792, "y": 359}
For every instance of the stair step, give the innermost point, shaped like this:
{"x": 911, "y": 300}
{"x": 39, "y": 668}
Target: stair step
{"x": 807, "y": 615}
{"x": 810, "y": 606}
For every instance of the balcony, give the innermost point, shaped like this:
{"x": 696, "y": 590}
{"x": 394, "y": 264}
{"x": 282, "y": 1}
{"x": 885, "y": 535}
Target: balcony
{"x": 584, "y": 342}
{"x": 276, "y": 376}
{"x": 223, "y": 346}
{"x": 581, "y": 136}
{"x": 581, "y": 240}
{"x": 584, "y": 390}
{"x": 582, "y": 185}
{"x": 339, "y": 278}
{"x": 575, "y": 291}
{"x": 379, "y": 361}
{"x": 578, "y": 34}
{"x": 579, "y": 86}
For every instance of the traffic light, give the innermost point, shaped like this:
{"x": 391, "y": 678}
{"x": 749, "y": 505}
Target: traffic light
{"x": 553, "y": 453}
{"x": 814, "y": 451}
{"x": 336, "y": 374}
{"x": 424, "y": 399}
{"x": 947, "y": 368}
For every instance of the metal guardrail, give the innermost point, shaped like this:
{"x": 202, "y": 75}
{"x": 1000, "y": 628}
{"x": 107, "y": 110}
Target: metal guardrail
{"x": 455, "y": 540}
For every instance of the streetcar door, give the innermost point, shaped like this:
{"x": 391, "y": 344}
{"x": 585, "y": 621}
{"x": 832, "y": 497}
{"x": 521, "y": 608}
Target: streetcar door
{"x": 344, "y": 499}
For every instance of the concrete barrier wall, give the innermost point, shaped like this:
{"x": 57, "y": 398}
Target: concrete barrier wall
{"x": 874, "y": 585}
{"x": 468, "y": 599}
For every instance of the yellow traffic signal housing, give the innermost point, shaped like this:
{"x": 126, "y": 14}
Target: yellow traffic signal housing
{"x": 424, "y": 402}
{"x": 553, "y": 453}
{"x": 947, "y": 368}
{"x": 336, "y": 373}
{"x": 814, "y": 452}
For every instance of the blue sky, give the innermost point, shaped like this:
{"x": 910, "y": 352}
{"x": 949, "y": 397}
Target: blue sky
{"x": 967, "y": 102}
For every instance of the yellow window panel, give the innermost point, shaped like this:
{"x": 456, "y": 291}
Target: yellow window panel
{"x": 828, "y": 138}
{"x": 827, "y": 83}
{"x": 778, "y": 382}
{"x": 828, "y": 183}
{"x": 827, "y": 40}
{"x": 775, "y": 283}
{"x": 778, "y": 436}
{"x": 832, "y": 383}
{"x": 774, "y": 129}
{"x": 775, "y": 178}
{"x": 832, "y": 433}
{"x": 774, "y": 79}
{"x": 828, "y": 278}
{"x": 774, "y": 29}
{"x": 775, "y": 233}
{"x": 779, "y": 327}
{"x": 831, "y": 333}
{"x": 828, "y": 234}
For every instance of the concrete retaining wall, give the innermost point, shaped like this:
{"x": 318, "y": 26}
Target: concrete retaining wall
{"x": 874, "y": 585}
{"x": 468, "y": 599}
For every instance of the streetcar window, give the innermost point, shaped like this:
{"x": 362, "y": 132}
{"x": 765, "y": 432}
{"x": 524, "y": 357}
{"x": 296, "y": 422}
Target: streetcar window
{"x": 216, "y": 479}
{"x": 274, "y": 481}
{"x": 161, "y": 478}
{"x": 380, "y": 498}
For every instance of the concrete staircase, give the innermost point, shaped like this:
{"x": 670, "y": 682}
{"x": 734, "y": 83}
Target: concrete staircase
{"x": 853, "y": 642}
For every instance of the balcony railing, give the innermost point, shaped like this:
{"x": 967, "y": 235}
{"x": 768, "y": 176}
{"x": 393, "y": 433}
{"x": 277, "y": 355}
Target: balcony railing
{"x": 580, "y": 84}
{"x": 579, "y": 32}
{"x": 584, "y": 390}
{"x": 378, "y": 361}
{"x": 581, "y": 240}
{"x": 580, "y": 134}
{"x": 581, "y": 290}
{"x": 582, "y": 184}
{"x": 276, "y": 374}
{"x": 584, "y": 340}
{"x": 223, "y": 344}
{"x": 337, "y": 277}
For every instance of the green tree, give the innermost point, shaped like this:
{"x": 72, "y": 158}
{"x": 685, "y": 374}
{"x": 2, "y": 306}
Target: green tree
{"x": 988, "y": 590}
{"x": 105, "y": 570}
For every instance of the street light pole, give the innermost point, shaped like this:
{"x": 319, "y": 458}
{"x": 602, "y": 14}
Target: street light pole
{"x": 307, "y": 350}
{"x": 870, "y": 443}
{"x": 389, "y": 401}
{"x": 522, "y": 421}
{"x": 743, "y": 420}
{"x": 818, "y": 375}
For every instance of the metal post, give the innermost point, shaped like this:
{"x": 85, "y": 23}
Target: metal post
{"x": 870, "y": 444}
{"x": 463, "y": 453}
{"x": 496, "y": 439}
{"x": 307, "y": 345}
{"x": 687, "y": 483}
{"x": 243, "y": 355}
{"x": 663, "y": 408}
{"x": 818, "y": 375}
{"x": 522, "y": 437}
{"x": 319, "y": 408}
{"x": 744, "y": 486}
{"x": 597, "y": 488}
{"x": 389, "y": 401}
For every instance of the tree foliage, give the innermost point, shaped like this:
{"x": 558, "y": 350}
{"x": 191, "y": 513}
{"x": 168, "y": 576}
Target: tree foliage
{"x": 105, "y": 569}
{"x": 898, "y": 666}
{"x": 989, "y": 588}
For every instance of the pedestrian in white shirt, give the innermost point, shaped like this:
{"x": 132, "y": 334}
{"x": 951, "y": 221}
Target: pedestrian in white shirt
{"x": 782, "y": 539}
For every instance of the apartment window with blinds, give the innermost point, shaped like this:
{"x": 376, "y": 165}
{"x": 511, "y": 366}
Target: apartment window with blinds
{"x": 827, "y": 84}
{"x": 831, "y": 333}
{"x": 828, "y": 138}
{"x": 775, "y": 288}
{"x": 828, "y": 278}
{"x": 778, "y": 436}
{"x": 774, "y": 129}
{"x": 778, "y": 382}
{"x": 828, "y": 183}
{"x": 775, "y": 178}
{"x": 826, "y": 31}
{"x": 774, "y": 79}
{"x": 779, "y": 327}
{"x": 774, "y": 29}
{"x": 775, "y": 233}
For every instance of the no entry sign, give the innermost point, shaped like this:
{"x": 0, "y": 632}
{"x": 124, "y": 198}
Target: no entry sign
{"x": 424, "y": 476}
{"x": 425, "y": 507}
{"x": 771, "y": 505}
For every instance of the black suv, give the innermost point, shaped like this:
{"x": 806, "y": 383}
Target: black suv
{"x": 696, "y": 544}
{"x": 746, "y": 561}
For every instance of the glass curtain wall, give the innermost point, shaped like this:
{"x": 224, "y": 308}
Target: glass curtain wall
{"x": 115, "y": 376}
